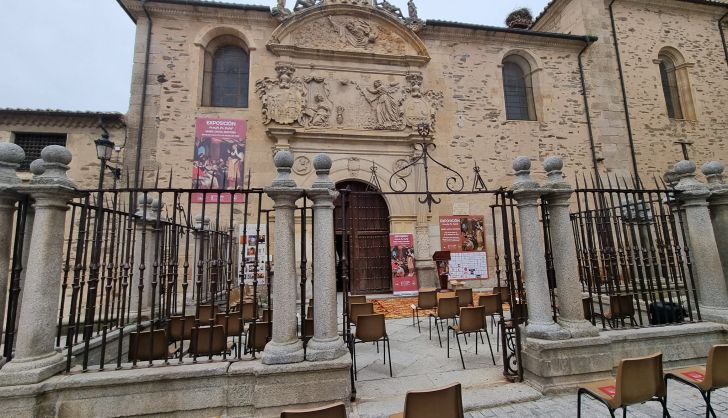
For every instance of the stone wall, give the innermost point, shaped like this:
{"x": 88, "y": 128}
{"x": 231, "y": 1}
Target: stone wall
{"x": 239, "y": 389}
{"x": 464, "y": 65}
{"x": 643, "y": 29}
{"x": 81, "y": 130}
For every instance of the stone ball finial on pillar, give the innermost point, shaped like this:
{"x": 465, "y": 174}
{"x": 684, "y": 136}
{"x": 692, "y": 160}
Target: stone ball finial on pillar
{"x": 55, "y": 164}
{"x": 37, "y": 167}
{"x": 283, "y": 161}
{"x": 322, "y": 163}
{"x": 522, "y": 167}
{"x": 687, "y": 183}
{"x": 713, "y": 171}
{"x": 554, "y": 166}
{"x": 670, "y": 177}
{"x": 11, "y": 155}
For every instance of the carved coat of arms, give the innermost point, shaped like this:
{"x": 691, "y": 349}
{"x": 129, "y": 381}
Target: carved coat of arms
{"x": 420, "y": 107}
{"x": 284, "y": 99}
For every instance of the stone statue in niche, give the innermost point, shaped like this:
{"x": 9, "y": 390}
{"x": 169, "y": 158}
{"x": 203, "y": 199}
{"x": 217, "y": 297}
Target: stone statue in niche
{"x": 356, "y": 32}
{"x": 419, "y": 107}
{"x": 284, "y": 99}
{"x": 385, "y": 106}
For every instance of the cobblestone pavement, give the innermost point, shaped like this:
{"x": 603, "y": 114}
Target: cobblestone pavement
{"x": 683, "y": 402}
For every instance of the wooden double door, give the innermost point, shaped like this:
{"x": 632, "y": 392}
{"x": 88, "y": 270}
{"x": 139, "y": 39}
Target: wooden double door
{"x": 367, "y": 232}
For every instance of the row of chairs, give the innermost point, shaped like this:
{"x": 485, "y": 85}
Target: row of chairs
{"x": 641, "y": 380}
{"x": 207, "y": 333}
{"x": 446, "y": 402}
{"x": 466, "y": 318}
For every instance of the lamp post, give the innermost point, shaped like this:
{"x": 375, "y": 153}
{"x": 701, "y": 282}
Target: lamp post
{"x": 104, "y": 149}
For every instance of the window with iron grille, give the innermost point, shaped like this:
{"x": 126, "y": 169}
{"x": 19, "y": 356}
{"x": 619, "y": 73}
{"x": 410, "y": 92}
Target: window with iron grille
{"x": 33, "y": 144}
{"x": 518, "y": 89}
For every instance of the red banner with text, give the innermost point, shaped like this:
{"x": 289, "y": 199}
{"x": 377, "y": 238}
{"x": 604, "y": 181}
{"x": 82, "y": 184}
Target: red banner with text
{"x": 404, "y": 276}
{"x": 218, "y": 159}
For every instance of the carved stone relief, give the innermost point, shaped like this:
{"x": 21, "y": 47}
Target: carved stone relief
{"x": 302, "y": 166}
{"x": 341, "y": 33}
{"x": 399, "y": 165}
{"x": 354, "y": 166}
{"x": 420, "y": 107}
{"x": 320, "y": 101}
{"x": 284, "y": 98}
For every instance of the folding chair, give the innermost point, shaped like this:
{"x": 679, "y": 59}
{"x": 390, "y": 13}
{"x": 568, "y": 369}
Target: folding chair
{"x": 208, "y": 341}
{"x": 714, "y": 375}
{"x": 472, "y": 320}
{"x": 493, "y": 306}
{"x": 337, "y": 410}
{"x": 447, "y": 308}
{"x": 446, "y": 402}
{"x": 372, "y": 328}
{"x": 465, "y": 297}
{"x": 639, "y": 380}
{"x": 148, "y": 345}
{"x": 426, "y": 301}
{"x": 620, "y": 308}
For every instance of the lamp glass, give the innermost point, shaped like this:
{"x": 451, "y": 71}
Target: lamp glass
{"x": 104, "y": 148}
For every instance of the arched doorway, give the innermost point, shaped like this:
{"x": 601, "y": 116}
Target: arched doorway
{"x": 367, "y": 224}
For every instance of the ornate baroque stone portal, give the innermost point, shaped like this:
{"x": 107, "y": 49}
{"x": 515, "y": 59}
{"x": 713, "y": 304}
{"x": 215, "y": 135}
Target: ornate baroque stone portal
{"x": 307, "y": 102}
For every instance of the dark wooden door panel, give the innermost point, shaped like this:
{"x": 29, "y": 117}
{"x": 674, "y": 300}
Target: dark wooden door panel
{"x": 367, "y": 219}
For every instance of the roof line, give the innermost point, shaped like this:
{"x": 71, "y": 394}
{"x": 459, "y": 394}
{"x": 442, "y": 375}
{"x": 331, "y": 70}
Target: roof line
{"x": 59, "y": 112}
{"x": 704, "y": 2}
{"x": 202, "y": 3}
{"x": 566, "y": 36}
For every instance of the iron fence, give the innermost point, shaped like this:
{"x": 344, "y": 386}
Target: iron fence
{"x": 634, "y": 266}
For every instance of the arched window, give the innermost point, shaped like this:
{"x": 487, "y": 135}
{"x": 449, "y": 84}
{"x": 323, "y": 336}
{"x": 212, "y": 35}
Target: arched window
{"x": 518, "y": 88}
{"x": 227, "y": 73}
{"x": 669, "y": 87}
{"x": 676, "y": 84}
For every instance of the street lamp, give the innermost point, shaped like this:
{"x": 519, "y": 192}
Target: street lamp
{"x": 104, "y": 151}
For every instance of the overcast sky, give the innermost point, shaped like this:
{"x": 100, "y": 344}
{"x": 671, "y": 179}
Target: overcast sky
{"x": 77, "y": 54}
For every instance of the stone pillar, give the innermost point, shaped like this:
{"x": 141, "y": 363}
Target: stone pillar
{"x": 557, "y": 193}
{"x": 540, "y": 318}
{"x": 201, "y": 236}
{"x": 11, "y": 156}
{"x": 285, "y": 347}
{"x": 326, "y": 343}
{"x": 713, "y": 171}
{"x": 35, "y": 356}
{"x": 707, "y": 268}
{"x": 36, "y": 167}
{"x": 143, "y": 268}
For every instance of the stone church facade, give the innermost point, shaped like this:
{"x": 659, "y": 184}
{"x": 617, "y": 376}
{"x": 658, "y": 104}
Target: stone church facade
{"x": 356, "y": 78}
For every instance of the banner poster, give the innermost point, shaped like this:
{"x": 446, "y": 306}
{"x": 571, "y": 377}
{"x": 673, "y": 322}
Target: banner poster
{"x": 218, "y": 158}
{"x": 464, "y": 237}
{"x": 250, "y": 245}
{"x": 404, "y": 276}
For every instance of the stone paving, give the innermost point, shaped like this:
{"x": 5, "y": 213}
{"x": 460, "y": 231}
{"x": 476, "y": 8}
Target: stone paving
{"x": 420, "y": 363}
{"x": 683, "y": 402}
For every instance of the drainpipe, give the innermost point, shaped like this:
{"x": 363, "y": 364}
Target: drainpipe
{"x": 624, "y": 94}
{"x": 722, "y": 36}
{"x": 140, "y": 130}
{"x": 587, "y": 43}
